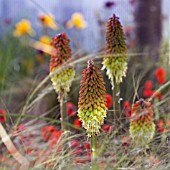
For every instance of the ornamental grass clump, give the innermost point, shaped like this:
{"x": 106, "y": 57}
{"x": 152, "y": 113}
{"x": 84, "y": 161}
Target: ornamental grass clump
{"x": 142, "y": 127}
{"x": 115, "y": 59}
{"x": 61, "y": 73}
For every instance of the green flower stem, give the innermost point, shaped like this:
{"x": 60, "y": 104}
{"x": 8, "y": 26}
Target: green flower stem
{"x": 116, "y": 106}
{"x": 93, "y": 152}
{"x": 63, "y": 112}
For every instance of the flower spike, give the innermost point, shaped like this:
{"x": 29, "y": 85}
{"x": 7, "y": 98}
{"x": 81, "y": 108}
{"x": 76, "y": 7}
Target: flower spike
{"x": 115, "y": 52}
{"x": 142, "y": 127}
{"x": 61, "y": 54}
{"x": 92, "y": 100}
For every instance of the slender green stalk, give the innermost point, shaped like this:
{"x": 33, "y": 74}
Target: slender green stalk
{"x": 63, "y": 112}
{"x": 64, "y": 127}
{"x": 93, "y": 152}
{"x": 116, "y": 116}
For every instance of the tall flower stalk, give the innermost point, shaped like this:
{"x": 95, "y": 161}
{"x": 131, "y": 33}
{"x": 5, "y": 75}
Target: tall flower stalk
{"x": 92, "y": 103}
{"x": 115, "y": 61}
{"x": 61, "y": 73}
{"x": 142, "y": 127}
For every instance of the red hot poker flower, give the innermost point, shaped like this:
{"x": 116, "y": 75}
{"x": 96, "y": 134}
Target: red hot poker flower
{"x": 61, "y": 55}
{"x": 160, "y": 75}
{"x": 2, "y": 115}
{"x": 142, "y": 127}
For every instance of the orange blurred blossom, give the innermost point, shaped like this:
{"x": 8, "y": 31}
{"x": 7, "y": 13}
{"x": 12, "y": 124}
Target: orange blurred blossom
{"x": 48, "y": 20}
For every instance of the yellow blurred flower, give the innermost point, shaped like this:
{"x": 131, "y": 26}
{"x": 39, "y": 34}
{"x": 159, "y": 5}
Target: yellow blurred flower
{"x": 22, "y": 28}
{"x": 48, "y": 20}
{"x": 77, "y": 20}
{"x": 45, "y": 39}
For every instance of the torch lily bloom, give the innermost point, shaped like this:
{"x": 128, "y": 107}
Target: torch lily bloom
{"x": 142, "y": 127}
{"x": 61, "y": 54}
{"x": 115, "y": 52}
{"x": 92, "y": 99}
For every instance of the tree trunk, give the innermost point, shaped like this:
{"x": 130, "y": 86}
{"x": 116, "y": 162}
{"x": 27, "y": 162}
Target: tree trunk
{"x": 148, "y": 26}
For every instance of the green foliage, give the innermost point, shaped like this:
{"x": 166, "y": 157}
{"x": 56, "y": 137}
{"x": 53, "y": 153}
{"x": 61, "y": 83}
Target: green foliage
{"x": 17, "y": 61}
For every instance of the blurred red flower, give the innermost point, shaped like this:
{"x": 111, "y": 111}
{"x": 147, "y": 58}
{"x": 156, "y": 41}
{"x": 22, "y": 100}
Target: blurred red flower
{"x": 87, "y": 145}
{"x": 106, "y": 127}
{"x": 55, "y": 138}
{"x": 109, "y": 100}
{"x": 71, "y": 108}
{"x": 77, "y": 122}
{"x": 127, "y": 108}
{"x": 148, "y": 84}
{"x": 148, "y": 92}
{"x": 47, "y": 131}
{"x": 163, "y": 125}
{"x": 160, "y": 74}
{"x": 2, "y": 115}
